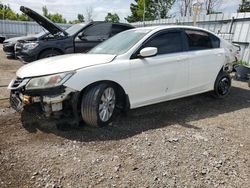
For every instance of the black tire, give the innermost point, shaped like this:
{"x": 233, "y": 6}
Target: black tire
{"x": 92, "y": 101}
{"x": 222, "y": 86}
{"x": 49, "y": 53}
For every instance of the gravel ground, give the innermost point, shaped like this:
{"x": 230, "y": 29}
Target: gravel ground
{"x": 192, "y": 142}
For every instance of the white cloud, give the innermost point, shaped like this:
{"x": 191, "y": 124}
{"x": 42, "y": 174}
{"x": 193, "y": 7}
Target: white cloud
{"x": 229, "y": 5}
{"x": 70, "y": 9}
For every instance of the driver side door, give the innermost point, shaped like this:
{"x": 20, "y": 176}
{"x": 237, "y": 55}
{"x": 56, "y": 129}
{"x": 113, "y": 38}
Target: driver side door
{"x": 161, "y": 77}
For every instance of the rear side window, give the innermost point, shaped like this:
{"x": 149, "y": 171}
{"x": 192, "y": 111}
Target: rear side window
{"x": 215, "y": 41}
{"x": 170, "y": 42}
{"x": 118, "y": 28}
{"x": 98, "y": 30}
{"x": 198, "y": 40}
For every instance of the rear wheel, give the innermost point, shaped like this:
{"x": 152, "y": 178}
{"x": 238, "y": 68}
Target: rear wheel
{"x": 98, "y": 105}
{"x": 49, "y": 53}
{"x": 222, "y": 85}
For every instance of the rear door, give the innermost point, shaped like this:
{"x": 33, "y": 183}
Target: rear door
{"x": 92, "y": 36}
{"x": 206, "y": 59}
{"x": 155, "y": 79}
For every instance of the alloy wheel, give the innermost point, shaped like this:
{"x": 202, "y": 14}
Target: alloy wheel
{"x": 107, "y": 104}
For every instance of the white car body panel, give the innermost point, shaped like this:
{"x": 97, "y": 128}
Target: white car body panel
{"x": 156, "y": 78}
{"x": 204, "y": 68}
{"x": 145, "y": 80}
{"x": 116, "y": 71}
{"x": 63, "y": 63}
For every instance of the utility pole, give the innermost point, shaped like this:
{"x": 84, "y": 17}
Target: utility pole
{"x": 144, "y": 9}
{"x": 197, "y": 7}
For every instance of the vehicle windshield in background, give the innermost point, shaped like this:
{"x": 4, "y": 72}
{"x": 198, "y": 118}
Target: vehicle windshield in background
{"x": 120, "y": 43}
{"x": 74, "y": 29}
{"x": 42, "y": 33}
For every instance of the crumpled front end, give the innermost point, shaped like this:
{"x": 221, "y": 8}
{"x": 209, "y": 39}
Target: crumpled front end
{"x": 51, "y": 99}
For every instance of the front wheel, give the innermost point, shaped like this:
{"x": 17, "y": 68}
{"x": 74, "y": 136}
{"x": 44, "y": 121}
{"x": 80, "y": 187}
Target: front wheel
{"x": 98, "y": 105}
{"x": 222, "y": 85}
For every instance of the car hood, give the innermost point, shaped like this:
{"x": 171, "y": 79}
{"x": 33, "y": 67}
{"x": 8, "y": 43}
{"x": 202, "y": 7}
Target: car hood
{"x": 63, "y": 63}
{"x": 43, "y": 21}
{"x": 15, "y": 39}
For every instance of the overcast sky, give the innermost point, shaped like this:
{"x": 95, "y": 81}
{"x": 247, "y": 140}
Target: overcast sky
{"x": 70, "y": 8}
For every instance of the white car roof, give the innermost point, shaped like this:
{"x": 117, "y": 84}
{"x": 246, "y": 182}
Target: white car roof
{"x": 161, "y": 27}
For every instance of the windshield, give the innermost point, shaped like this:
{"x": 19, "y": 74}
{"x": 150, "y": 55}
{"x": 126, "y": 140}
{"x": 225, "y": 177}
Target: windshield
{"x": 74, "y": 29}
{"x": 38, "y": 35}
{"x": 120, "y": 43}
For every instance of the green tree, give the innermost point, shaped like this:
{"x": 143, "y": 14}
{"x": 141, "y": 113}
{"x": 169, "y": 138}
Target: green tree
{"x": 112, "y": 17}
{"x": 45, "y": 11}
{"x": 134, "y": 16}
{"x": 154, "y": 9}
{"x": 57, "y": 18}
{"x": 80, "y": 18}
{"x": 7, "y": 13}
{"x": 244, "y": 6}
{"x": 23, "y": 17}
{"x": 10, "y": 15}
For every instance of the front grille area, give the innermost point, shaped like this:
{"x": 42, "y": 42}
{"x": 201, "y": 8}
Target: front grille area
{"x": 17, "y": 82}
{"x": 15, "y": 102}
{"x": 18, "y": 46}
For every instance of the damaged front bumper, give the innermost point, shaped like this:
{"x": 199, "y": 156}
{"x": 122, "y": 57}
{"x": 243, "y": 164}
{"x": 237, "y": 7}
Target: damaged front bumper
{"x": 51, "y": 99}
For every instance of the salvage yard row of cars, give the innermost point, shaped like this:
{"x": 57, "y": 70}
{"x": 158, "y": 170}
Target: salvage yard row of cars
{"x": 57, "y": 41}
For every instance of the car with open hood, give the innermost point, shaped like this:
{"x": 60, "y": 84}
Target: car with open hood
{"x": 78, "y": 38}
{"x": 135, "y": 68}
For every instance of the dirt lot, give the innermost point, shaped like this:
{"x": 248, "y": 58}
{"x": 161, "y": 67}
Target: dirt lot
{"x": 192, "y": 142}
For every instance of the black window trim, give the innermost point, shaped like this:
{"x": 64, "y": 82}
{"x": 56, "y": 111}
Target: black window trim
{"x": 124, "y": 26}
{"x": 172, "y": 30}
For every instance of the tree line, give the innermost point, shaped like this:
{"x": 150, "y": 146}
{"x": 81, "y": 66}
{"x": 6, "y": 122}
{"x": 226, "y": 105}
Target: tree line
{"x": 8, "y": 14}
{"x": 140, "y": 10}
{"x": 158, "y": 9}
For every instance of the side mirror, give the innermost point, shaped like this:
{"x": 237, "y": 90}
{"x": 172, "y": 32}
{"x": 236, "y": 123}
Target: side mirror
{"x": 148, "y": 52}
{"x": 82, "y": 36}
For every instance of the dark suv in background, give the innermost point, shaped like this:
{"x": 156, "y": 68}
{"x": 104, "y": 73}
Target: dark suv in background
{"x": 9, "y": 44}
{"x": 76, "y": 39}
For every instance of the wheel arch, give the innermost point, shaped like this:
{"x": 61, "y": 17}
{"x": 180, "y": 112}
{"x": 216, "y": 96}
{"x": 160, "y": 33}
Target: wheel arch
{"x": 50, "y": 48}
{"x": 123, "y": 98}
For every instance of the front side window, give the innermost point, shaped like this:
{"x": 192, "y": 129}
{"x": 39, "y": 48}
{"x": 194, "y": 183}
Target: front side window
{"x": 74, "y": 29}
{"x": 170, "y": 42}
{"x": 198, "y": 40}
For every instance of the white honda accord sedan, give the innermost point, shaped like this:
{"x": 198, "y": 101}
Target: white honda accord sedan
{"x": 135, "y": 68}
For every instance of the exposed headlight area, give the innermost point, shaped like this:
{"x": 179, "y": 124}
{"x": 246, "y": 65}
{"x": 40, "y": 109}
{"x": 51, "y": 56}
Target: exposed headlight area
{"x": 30, "y": 45}
{"x": 50, "y": 81}
{"x": 48, "y": 90}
